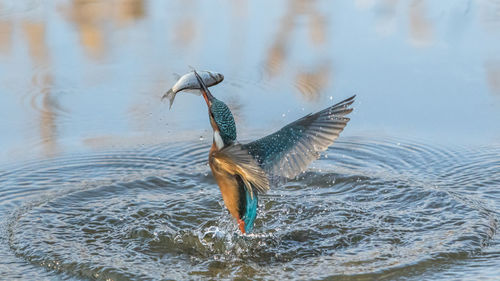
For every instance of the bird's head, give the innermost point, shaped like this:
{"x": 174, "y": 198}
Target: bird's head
{"x": 221, "y": 118}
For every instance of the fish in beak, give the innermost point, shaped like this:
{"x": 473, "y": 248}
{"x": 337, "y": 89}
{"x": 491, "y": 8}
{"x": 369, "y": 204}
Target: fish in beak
{"x": 204, "y": 89}
{"x": 188, "y": 82}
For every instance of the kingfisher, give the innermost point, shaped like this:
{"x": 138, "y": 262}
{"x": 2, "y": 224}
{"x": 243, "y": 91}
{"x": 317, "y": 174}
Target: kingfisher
{"x": 245, "y": 171}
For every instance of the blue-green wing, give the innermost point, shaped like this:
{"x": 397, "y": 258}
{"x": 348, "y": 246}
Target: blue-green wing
{"x": 288, "y": 152}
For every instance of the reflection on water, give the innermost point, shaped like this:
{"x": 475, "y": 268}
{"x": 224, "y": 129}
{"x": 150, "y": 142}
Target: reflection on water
{"x": 48, "y": 128}
{"x": 420, "y": 27}
{"x": 5, "y": 36}
{"x": 310, "y": 83}
{"x": 89, "y": 16}
{"x": 79, "y": 78}
{"x": 128, "y": 11}
{"x": 92, "y": 19}
{"x": 41, "y": 97}
{"x": 35, "y": 34}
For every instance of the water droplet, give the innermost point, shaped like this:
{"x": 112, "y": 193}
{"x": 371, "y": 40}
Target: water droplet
{"x": 201, "y": 138}
{"x": 331, "y": 97}
{"x": 283, "y": 115}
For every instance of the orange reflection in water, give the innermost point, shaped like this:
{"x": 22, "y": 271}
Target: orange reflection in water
{"x": 421, "y": 29}
{"x": 35, "y": 35}
{"x": 128, "y": 11}
{"x": 92, "y": 19}
{"x": 48, "y": 128}
{"x": 5, "y": 36}
{"x": 317, "y": 28}
{"x": 89, "y": 18}
{"x": 309, "y": 83}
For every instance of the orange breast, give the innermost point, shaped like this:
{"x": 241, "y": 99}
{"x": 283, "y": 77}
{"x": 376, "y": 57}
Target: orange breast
{"x": 227, "y": 185}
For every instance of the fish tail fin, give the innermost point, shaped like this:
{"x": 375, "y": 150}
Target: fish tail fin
{"x": 170, "y": 95}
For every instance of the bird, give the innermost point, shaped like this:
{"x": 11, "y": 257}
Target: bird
{"x": 245, "y": 171}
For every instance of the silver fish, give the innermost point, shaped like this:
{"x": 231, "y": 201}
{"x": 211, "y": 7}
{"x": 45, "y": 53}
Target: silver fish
{"x": 189, "y": 82}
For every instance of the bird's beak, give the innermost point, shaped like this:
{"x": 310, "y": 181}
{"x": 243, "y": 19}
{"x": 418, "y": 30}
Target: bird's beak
{"x": 204, "y": 90}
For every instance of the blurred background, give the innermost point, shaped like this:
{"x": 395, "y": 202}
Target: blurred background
{"x": 85, "y": 75}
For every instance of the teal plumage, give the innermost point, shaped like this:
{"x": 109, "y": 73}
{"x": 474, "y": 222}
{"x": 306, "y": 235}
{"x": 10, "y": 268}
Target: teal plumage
{"x": 288, "y": 152}
{"x": 250, "y": 211}
{"x": 274, "y": 146}
{"x": 248, "y": 203}
{"x": 225, "y": 121}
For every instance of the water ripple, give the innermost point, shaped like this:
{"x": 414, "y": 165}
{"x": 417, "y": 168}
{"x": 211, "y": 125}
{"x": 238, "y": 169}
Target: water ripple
{"x": 368, "y": 207}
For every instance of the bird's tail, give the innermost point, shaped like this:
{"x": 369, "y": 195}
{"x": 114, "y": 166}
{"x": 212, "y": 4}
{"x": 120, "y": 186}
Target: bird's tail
{"x": 251, "y": 211}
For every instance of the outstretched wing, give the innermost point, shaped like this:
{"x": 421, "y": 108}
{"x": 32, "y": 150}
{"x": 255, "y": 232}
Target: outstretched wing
{"x": 288, "y": 152}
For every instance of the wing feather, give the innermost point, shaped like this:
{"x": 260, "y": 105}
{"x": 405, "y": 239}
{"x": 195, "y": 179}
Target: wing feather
{"x": 288, "y": 152}
{"x": 236, "y": 160}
